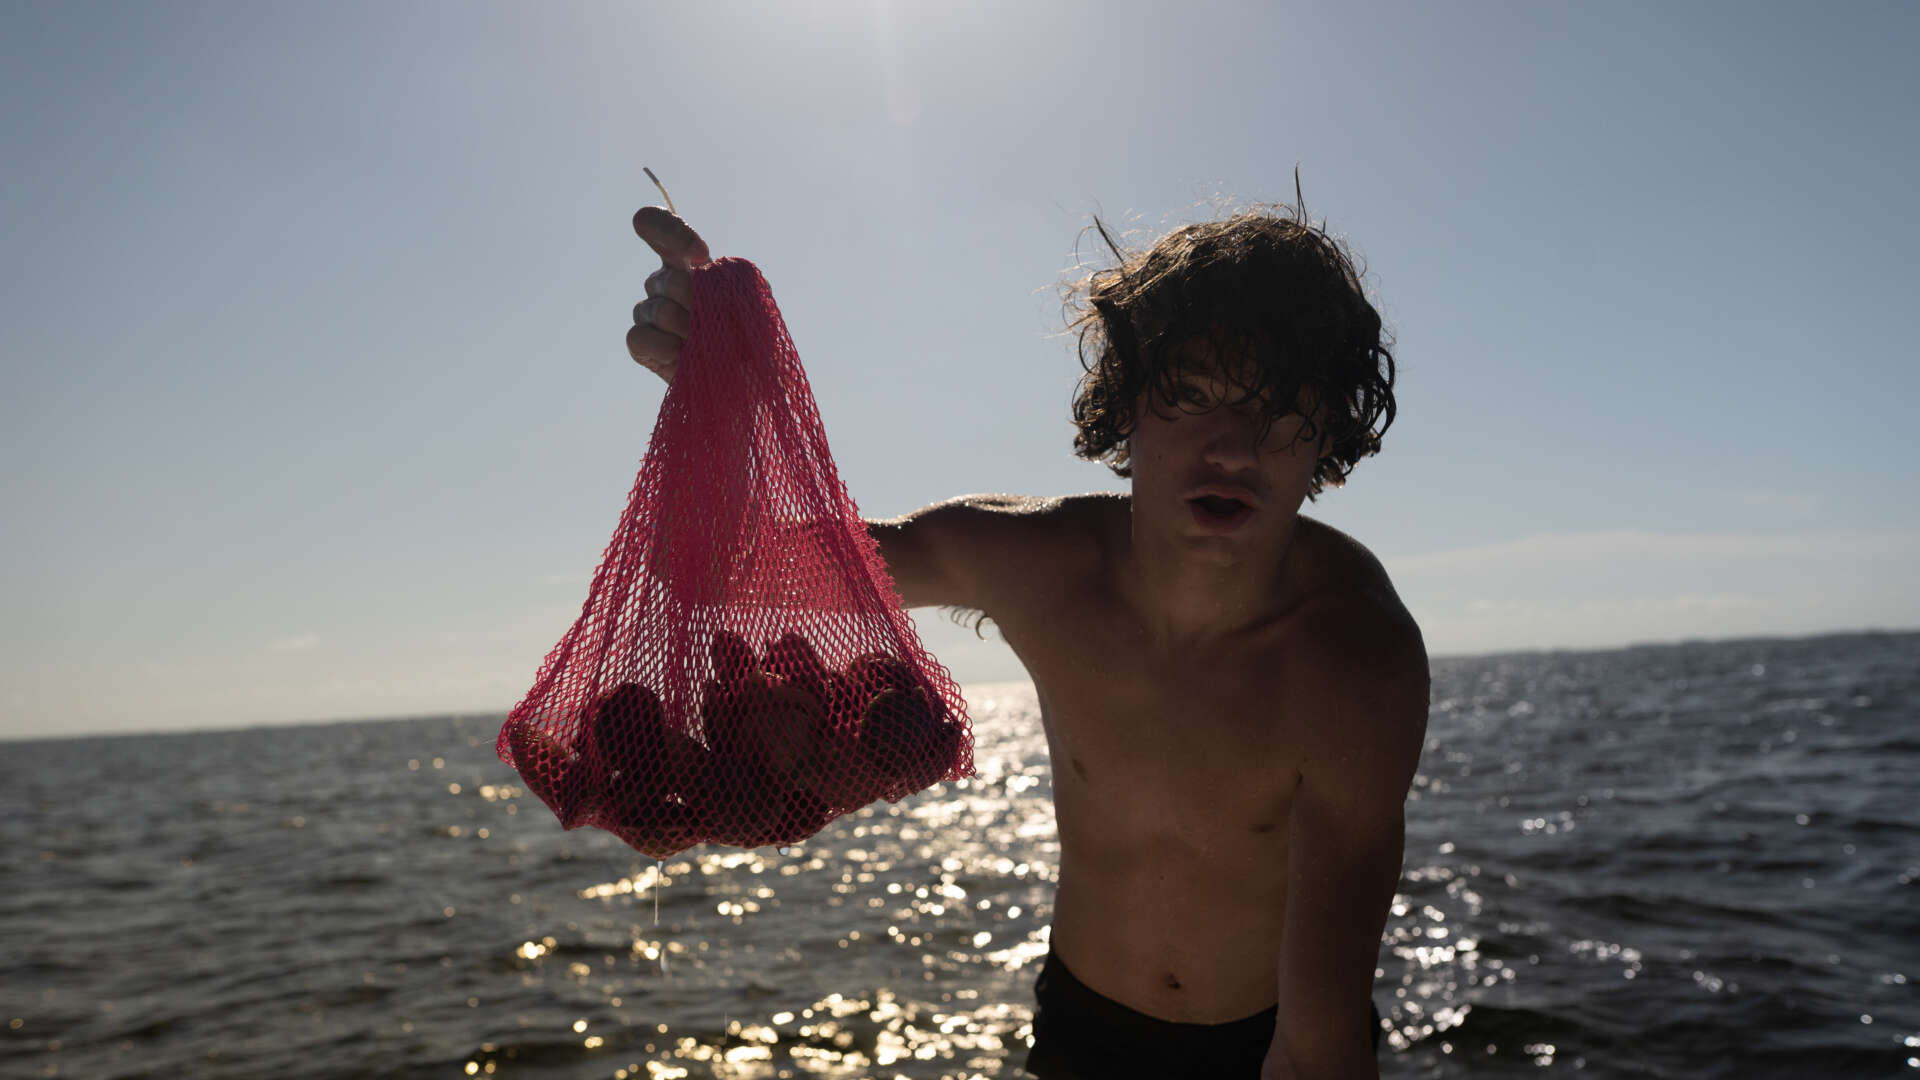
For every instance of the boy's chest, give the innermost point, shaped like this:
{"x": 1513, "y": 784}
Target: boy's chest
{"x": 1201, "y": 753}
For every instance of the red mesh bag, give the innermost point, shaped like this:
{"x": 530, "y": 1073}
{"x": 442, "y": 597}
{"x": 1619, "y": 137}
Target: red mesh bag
{"x": 743, "y": 670}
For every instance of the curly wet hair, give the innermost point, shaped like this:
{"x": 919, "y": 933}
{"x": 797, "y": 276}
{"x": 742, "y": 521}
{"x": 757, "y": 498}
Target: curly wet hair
{"x": 1277, "y": 299}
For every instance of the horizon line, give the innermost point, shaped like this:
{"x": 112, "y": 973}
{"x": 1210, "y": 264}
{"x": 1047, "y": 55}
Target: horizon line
{"x": 392, "y": 718}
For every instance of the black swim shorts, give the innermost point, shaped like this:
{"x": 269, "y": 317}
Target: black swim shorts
{"x": 1079, "y": 1033}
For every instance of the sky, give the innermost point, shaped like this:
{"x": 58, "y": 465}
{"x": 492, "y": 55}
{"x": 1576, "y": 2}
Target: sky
{"x": 316, "y": 403}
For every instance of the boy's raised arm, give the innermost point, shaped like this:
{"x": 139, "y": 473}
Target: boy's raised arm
{"x": 957, "y": 553}
{"x": 950, "y": 554}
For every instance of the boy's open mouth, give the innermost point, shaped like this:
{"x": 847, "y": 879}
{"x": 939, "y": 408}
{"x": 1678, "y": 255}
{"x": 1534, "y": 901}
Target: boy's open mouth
{"x": 1219, "y": 510}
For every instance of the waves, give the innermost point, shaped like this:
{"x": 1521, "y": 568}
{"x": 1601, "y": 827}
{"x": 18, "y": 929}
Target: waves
{"x": 1688, "y": 861}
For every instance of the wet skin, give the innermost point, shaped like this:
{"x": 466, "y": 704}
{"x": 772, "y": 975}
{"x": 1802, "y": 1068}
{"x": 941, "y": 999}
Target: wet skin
{"x": 1233, "y": 714}
{"x": 1176, "y": 667}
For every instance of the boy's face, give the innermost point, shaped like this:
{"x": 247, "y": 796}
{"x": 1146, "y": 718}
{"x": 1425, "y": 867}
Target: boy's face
{"x": 1213, "y": 444}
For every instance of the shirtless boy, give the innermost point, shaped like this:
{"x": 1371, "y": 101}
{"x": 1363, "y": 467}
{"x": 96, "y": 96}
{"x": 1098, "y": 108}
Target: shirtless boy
{"x": 1235, "y": 703}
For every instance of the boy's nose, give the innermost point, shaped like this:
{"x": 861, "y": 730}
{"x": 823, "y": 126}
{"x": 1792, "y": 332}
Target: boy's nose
{"x": 1233, "y": 439}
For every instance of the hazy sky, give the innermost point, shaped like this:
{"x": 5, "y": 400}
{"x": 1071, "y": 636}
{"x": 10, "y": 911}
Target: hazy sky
{"x": 316, "y": 403}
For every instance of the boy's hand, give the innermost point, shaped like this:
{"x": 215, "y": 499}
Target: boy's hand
{"x": 660, "y": 321}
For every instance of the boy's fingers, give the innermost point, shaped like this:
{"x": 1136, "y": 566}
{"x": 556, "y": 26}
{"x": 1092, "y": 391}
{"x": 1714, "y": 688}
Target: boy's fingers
{"x": 663, "y": 314}
{"x": 655, "y": 350}
{"x": 671, "y": 238}
{"x": 672, "y": 283}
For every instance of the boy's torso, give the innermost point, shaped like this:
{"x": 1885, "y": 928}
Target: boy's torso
{"x": 1173, "y": 777}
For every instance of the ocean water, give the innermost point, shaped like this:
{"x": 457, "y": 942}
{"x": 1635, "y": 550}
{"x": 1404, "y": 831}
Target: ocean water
{"x": 1698, "y": 860}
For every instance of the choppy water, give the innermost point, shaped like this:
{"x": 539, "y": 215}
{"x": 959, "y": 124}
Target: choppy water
{"x": 1683, "y": 861}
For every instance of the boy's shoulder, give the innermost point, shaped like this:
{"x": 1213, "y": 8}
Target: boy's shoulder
{"x": 1338, "y": 573}
{"x": 1352, "y": 637}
